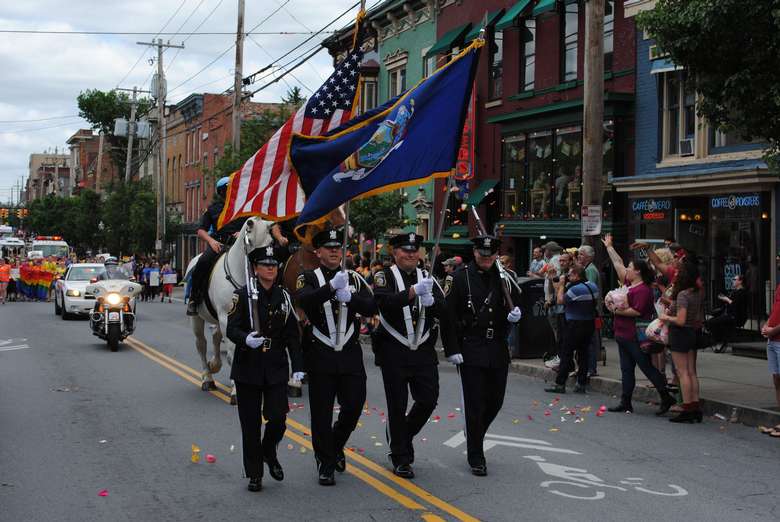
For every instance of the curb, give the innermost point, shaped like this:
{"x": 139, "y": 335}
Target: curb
{"x": 731, "y": 412}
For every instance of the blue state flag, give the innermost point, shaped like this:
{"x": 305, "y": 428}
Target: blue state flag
{"x": 413, "y": 140}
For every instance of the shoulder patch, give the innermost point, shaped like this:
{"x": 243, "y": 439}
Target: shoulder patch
{"x": 300, "y": 282}
{"x": 233, "y": 304}
{"x": 379, "y": 279}
{"x": 447, "y": 285}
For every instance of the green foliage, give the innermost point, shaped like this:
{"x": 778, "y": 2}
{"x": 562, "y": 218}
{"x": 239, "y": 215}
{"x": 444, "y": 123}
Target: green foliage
{"x": 129, "y": 218}
{"x": 731, "y": 48}
{"x": 376, "y": 215}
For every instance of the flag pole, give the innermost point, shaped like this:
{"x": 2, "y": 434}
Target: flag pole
{"x": 440, "y": 225}
{"x": 340, "y": 333}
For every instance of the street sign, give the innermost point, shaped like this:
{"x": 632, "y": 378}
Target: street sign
{"x": 591, "y": 220}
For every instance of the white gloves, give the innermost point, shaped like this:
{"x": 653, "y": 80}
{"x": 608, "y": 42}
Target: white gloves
{"x": 298, "y": 376}
{"x": 339, "y": 281}
{"x": 254, "y": 341}
{"x": 426, "y": 300}
{"x": 514, "y": 315}
{"x": 424, "y": 287}
{"x": 344, "y": 295}
{"x": 455, "y": 358}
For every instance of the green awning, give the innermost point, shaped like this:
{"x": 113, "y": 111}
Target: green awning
{"x": 543, "y": 6}
{"x": 476, "y": 197}
{"x": 509, "y": 18}
{"x": 491, "y": 19}
{"x": 446, "y": 42}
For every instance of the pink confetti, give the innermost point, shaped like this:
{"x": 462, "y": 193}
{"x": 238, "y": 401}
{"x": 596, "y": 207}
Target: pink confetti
{"x": 103, "y": 493}
{"x": 602, "y": 408}
{"x": 530, "y": 418}
{"x": 599, "y": 413}
{"x": 436, "y": 417}
{"x": 450, "y": 415}
{"x": 361, "y": 450}
{"x": 547, "y": 413}
{"x": 211, "y": 459}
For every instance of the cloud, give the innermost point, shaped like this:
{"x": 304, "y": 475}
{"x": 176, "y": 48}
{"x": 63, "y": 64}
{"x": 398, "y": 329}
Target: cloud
{"x": 43, "y": 74}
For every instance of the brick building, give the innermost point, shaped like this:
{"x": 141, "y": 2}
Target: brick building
{"x": 84, "y": 148}
{"x": 199, "y": 127}
{"x": 48, "y": 173}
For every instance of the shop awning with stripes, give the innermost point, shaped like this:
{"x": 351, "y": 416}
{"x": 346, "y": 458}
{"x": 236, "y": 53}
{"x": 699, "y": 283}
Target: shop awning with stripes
{"x": 448, "y": 41}
{"x": 509, "y": 17}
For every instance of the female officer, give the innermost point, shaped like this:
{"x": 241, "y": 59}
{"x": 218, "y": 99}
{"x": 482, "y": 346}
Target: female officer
{"x": 260, "y": 364}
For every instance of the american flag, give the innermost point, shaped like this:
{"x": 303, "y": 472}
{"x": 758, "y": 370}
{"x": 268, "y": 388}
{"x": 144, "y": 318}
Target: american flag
{"x": 266, "y": 184}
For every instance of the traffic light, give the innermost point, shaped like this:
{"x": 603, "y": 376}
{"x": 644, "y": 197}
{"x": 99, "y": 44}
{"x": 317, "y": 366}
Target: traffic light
{"x": 4, "y": 213}
{"x": 20, "y": 213}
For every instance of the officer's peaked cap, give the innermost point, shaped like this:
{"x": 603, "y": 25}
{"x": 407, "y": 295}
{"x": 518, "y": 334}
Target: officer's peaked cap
{"x": 330, "y": 237}
{"x": 264, "y": 256}
{"x": 486, "y": 245}
{"x": 407, "y": 241}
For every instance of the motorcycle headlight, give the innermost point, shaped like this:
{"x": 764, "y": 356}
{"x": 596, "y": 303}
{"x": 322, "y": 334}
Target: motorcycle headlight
{"x": 113, "y": 299}
{"x": 73, "y": 293}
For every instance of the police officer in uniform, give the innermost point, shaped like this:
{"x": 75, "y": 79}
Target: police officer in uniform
{"x": 332, "y": 299}
{"x": 260, "y": 364}
{"x": 409, "y": 303}
{"x": 215, "y": 239}
{"x": 474, "y": 331}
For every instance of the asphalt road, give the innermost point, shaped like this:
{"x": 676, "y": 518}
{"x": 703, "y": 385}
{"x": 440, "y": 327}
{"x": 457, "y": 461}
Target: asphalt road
{"x": 76, "y": 419}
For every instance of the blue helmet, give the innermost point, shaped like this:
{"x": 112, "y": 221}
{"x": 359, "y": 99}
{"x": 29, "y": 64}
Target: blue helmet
{"x": 223, "y": 182}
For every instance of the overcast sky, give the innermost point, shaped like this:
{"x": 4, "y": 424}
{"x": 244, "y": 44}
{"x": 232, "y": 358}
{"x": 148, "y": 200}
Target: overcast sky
{"x": 43, "y": 74}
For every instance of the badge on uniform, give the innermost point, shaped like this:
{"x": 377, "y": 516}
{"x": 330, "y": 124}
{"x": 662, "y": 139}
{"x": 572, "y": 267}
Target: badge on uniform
{"x": 233, "y": 304}
{"x": 447, "y": 285}
{"x": 300, "y": 282}
{"x": 379, "y": 279}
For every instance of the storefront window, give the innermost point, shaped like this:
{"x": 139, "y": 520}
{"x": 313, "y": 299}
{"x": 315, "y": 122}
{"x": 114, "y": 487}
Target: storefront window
{"x": 568, "y": 172}
{"x": 673, "y": 114}
{"x": 569, "y": 30}
{"x": 529, "y": 55}
{"x": 540, "y": 152}
{"x": 496, "y": 65}
{"x": 514, "y": 173}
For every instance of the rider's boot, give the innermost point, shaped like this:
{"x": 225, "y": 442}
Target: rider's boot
{"x": 192, "y": 306}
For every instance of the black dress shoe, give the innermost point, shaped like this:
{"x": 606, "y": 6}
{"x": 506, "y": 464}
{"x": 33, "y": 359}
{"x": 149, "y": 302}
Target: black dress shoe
{"x": 255, "y": 484}
{"x": 275, "y": 469}
{"x": 327, "y": 479}
{"x": 341, "y": 461}
{"x": 404, "y": 471}
{"x": 667, "y": 401}
{"x": 480, "y": 470}
{"x": 557, "y": 388}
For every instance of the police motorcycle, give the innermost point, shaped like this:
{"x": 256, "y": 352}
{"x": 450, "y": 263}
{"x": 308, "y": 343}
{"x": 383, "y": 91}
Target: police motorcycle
{"x": 113, "y": 316}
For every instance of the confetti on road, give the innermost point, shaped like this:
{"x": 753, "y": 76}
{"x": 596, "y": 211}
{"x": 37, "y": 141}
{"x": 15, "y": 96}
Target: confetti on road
{"x": 602, "y": 408}
{"x": 211, "y": 459}
{"x": 457, "y": 409}
{"x": 450, "y": 415}
{"x": 719, "y": 416}
{"x": 599, "y": 413}
{"x": 530, "y": 418}
{"x": 586, "y": 409}
{"x": 377, "y": 444}
{"x": 359, "y": 424}
{"x": 563, "y": 419}
{"x": 232, "y": 448}
{"x": 516, "y": 421}
{"x": 102, "y": 441}
{"x": 578, "y": 420}
{"x": 436, "y": 418}
{"x": 303, "y": 450}
{"x": 554, "y": 430}
{"x": 361, "y": 450}
{"x": 547, "y": 413}
{"x": 289, "y": 446}
{"x": 195, "y": 454}
{"x": 424, "y": 439}
{"x": 103, "y": 493}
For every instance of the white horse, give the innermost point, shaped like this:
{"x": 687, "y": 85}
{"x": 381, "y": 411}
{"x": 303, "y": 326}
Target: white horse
{"x": 228, "y": 274}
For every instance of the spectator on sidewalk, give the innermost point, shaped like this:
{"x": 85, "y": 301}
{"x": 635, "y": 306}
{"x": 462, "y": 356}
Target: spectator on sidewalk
{"x": 555, "y": 311}
{"x": 638, "y": 277}
{"x": 167, "y": 287}
{"x": 771, "y": 330}
{"x": 585, "y": 256}
{"x": 732, "y": 316}
{"x": 579, "y": 297}
{"x": 685, "y": 317}
{"x": 537, "y": 263}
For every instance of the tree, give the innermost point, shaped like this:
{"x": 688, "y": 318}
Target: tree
{"x": 376, "y": 215}
{"x": 129, "y": 223}
{"x": 100, "y": 108}
{"x": 731, "y": 48}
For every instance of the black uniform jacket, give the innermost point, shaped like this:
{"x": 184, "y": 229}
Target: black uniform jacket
{"x": 264, "y": 366}
{"x": 390, "y": 302}
{"x": 210, "y": 218}
{"x": 475, "y": 323}
{"x": 318, "y": 357}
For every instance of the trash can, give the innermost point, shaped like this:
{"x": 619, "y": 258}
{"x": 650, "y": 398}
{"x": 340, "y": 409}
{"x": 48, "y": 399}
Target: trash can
{"x": 534, "y": 337}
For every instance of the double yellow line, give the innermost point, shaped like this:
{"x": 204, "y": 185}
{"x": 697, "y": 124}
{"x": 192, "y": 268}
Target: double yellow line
{"x": 414, "y": 497}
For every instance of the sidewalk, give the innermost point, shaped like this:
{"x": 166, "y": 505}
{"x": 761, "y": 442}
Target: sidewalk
{"x": 727, "y": 382}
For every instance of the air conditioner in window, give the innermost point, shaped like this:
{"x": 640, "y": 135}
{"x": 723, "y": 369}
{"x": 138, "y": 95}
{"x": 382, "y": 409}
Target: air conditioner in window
{"x": 686, "y": 147}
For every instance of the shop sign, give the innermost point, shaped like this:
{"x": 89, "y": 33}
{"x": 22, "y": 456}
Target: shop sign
{"x": 654, "y": 216}
{"x": 735, "y": 201}
{"x": 730, "y": 271}
{"x": 651, "y": 205}
{"x": 464, "y": 165}
{"x": 591, "y": 220}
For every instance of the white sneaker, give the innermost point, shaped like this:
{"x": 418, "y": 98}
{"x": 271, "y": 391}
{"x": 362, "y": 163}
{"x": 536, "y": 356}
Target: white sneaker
{"x": 553, "y": 363}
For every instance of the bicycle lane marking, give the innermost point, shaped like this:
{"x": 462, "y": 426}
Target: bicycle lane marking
{"x": 223, "y": 393}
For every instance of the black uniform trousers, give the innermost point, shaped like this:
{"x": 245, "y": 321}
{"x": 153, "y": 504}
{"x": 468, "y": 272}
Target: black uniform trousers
{"x": 422, "y": 381}
{"x": 576, "y": 339}
{"x": 201, "y": 272}
{"x": 483, "y": 396}
{"x": 328, "y": 437}
{"x": 251, "y": 400}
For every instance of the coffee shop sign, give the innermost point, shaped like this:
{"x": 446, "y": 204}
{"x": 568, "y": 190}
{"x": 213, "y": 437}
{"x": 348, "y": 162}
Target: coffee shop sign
{"x": 651, "y": 205}
{"x": 733, "y": 201}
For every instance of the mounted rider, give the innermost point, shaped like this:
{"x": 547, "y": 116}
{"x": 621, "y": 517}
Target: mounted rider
{"x": 216, "y": 239}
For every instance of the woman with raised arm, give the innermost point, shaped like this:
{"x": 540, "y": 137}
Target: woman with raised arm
{"x": 638, "y": 277}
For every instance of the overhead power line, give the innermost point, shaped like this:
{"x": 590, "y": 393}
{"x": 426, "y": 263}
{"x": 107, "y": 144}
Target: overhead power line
{"x": 194, "y": 30}
{"x": 146, "y": 33}
{"x": 41, "y": 119}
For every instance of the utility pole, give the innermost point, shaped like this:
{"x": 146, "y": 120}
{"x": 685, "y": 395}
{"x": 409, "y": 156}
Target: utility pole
{"x": 593, "y": 117}
{"x": 99, "y": 163}
{"x": 163, "y": 145}
{"x": 239, "y": 79}
{"x": 131, "y": 134}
